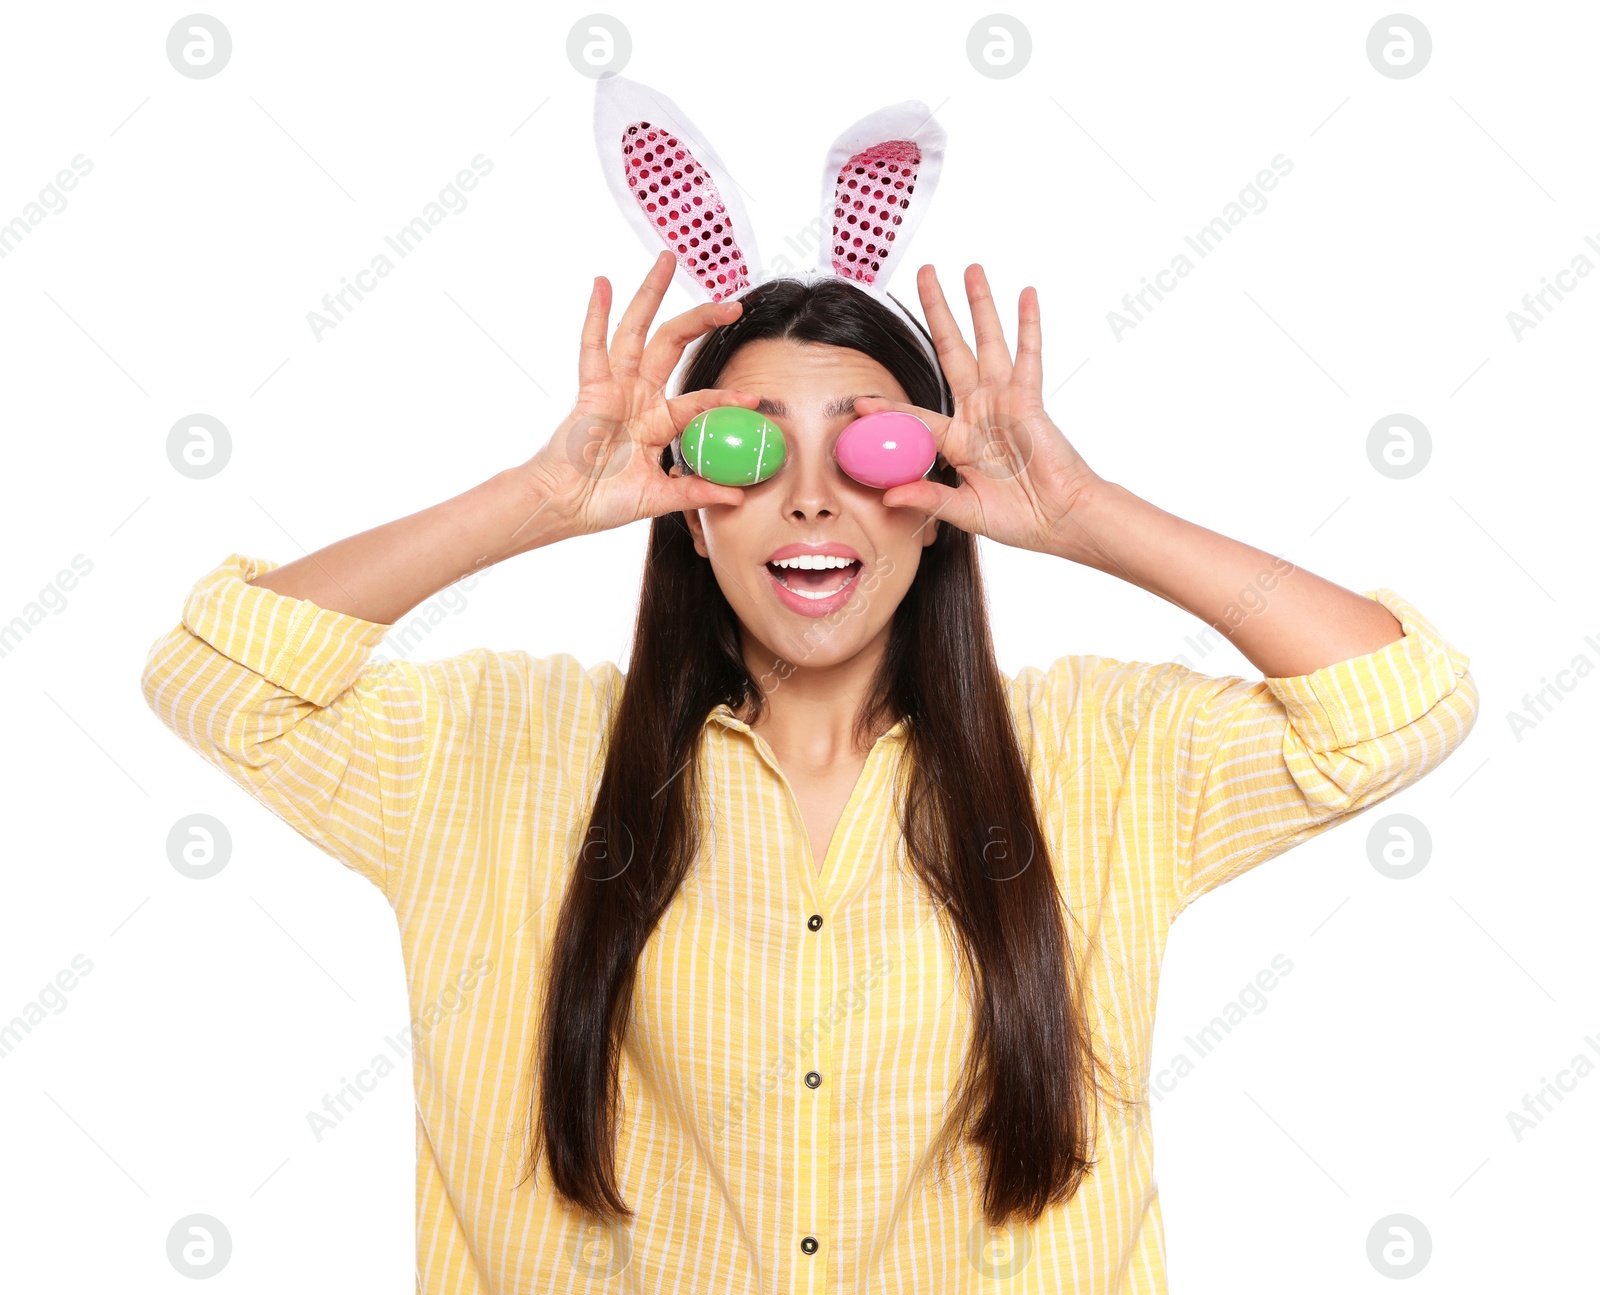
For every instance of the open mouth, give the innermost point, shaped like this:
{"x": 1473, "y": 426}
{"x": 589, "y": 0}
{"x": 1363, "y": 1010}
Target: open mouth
{"x": 814, "y": 578}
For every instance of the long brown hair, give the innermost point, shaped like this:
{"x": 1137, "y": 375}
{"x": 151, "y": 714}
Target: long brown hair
{"x": 1029, "y": 1089}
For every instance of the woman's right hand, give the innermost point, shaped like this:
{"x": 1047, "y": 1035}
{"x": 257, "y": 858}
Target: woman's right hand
{"x": 602, "y": 468}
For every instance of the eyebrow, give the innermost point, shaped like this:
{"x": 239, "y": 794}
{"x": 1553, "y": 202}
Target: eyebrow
{"x": 833, "y": 409}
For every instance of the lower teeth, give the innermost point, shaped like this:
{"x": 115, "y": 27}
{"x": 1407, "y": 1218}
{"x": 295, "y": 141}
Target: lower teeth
{"x": 815, "y": 595}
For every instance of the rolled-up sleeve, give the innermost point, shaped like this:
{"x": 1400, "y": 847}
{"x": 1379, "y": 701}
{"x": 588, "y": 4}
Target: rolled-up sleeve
{"x": 1258, "y": 767}
{"x": 277, "y": 693}
{"x": 376, "y": 763}
{"x": 1205, "y": 777}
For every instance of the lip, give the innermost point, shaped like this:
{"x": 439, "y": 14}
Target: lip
{"x": 814, "y": 606}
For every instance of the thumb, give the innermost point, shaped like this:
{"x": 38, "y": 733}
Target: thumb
{"x": 952, "y": 504}
{"x": 689, "y": 491}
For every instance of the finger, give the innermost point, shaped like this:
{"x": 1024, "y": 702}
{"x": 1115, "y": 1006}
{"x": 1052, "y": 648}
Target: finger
{"x": 938, "y": 424}
{"x": 628, "y": 343}
{"x": 994, "y": 356}
{"x": 685, "y": 408}
{"x": 1029, "y": 370}
{"x": 958, "y": 363}
{"x": 594, "y": 366}
{"x": 661, "y": 356}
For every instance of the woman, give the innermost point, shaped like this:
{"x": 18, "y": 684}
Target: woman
{"x": 813, "y": 949}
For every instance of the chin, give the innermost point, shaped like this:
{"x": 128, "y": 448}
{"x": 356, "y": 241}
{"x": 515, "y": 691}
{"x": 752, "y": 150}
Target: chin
{"x": 813, "y": 645}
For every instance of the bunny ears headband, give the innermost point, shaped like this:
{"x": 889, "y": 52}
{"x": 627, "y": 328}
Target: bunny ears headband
{"x": 877, "y": 180}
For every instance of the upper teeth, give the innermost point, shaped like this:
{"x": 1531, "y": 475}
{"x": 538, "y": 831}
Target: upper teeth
{"x": 814, "y": 562}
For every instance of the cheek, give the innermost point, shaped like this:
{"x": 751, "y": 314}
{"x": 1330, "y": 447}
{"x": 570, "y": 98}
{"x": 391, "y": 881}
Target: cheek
{"x": 724, "y": 538}
{"x": 904, "y": 537}
{"x": 890, "y": 574}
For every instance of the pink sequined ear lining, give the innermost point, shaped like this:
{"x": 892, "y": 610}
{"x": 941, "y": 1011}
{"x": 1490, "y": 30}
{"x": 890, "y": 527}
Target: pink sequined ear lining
{"x": 872, "y": 191}
{"x": 682, "y": 203}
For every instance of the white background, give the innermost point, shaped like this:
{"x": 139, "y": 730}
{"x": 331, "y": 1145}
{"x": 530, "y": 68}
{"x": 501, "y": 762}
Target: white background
{"x": 1377, "y": 280}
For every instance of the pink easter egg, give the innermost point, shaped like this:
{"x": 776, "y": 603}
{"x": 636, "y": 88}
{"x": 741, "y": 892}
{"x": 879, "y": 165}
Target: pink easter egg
{"x": 886, "y": 449}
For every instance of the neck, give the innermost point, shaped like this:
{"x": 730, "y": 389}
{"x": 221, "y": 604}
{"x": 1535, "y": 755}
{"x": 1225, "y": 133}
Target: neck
{"x": 810, "y": 711}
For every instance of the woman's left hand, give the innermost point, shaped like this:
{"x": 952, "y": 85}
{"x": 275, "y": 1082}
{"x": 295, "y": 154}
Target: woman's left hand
{"x": 1020, "y": 478}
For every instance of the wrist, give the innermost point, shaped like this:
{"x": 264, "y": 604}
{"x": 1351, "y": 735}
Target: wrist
{"x": 528, "y": 511}
{"x": 1098, "y": 508}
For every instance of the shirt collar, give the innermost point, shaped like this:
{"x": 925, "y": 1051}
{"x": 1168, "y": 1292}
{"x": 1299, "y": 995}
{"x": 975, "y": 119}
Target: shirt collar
{"x": 723, "y": 714}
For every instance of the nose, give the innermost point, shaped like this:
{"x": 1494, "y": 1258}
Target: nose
{"x": 811, "y": 480}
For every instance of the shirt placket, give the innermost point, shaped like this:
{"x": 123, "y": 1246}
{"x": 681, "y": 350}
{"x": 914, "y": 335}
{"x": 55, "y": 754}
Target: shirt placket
{"x": 814, "y": 1098}
{"x": 810, "y": 1221}
{"x": 822, "y": 1006}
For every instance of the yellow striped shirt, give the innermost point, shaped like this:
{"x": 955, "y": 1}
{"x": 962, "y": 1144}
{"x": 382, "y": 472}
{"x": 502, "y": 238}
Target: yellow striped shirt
{"x": 459, "y": 788}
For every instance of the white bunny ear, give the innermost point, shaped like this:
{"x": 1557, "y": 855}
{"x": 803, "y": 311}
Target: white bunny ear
{"x": 877, "y": 182}
{"x": 673, "y": 188}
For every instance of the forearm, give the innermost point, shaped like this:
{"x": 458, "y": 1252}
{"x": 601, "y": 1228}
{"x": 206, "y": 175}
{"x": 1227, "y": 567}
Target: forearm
{"x": 382, "y": 573}
{"x": 1284, "y": 620}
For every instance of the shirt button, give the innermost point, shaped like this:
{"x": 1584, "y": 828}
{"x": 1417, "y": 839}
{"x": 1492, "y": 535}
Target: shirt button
{"x": 814, "y": 922}
{"x": 809, "y": 1245}
{"x": 813, "y": 1079}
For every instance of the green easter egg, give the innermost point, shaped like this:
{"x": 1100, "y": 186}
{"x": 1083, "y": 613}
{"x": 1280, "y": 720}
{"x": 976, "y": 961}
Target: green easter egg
{"x": 733, "y": 446}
